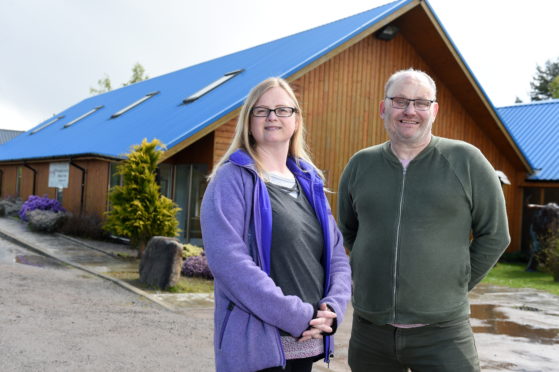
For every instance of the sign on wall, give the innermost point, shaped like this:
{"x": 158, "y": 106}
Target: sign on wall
{"x": 58, "y": 175}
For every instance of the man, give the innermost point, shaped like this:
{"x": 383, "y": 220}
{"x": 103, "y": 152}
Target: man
{"x": 424, "y": 218}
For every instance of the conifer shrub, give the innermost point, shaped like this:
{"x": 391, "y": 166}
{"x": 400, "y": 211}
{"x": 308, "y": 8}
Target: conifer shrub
{"x": 138, "y": 210}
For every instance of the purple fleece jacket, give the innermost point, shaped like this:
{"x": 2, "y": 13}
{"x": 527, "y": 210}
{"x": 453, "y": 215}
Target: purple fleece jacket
{"x": 250, "y": 308}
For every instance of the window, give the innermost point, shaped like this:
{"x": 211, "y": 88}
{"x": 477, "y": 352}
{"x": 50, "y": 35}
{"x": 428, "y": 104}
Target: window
{"x": 46, "y": 124}
{"x": 83, "y": 116}
{"x": 19, "y": 175}
{"x": 228, "y": 76}
{"x": 131, "y": 106}
{"x": 165, "y": 178}
{"x": 115, "y": 178}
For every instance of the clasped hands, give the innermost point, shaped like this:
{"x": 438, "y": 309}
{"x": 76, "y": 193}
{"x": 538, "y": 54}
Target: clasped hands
{"x": 319, "y": 325}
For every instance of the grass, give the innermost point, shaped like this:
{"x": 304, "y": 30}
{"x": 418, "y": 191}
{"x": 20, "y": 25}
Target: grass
{"x": 515, "y": 275}
{"x": 185, "y": 284}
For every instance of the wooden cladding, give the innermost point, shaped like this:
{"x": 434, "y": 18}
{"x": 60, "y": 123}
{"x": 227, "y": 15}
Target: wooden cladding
{"x": 340, "y": 101}
{"x": 222, "y": 139}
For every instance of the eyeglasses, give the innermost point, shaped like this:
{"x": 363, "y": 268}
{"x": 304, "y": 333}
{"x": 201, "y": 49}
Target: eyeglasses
{"x": 403, "y": 103}
{"x": 281, "y": 112}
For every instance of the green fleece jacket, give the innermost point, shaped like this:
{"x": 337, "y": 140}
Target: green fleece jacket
{"x": 422, "y": 237}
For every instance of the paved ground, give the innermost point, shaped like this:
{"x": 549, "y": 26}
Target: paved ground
{"x": 57, "y": 317}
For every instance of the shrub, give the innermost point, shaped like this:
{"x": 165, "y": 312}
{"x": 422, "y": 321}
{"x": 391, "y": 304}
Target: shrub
{"x": 10, "y": 206}
{"x": 549, "y": 256}
{"x": 196, "y": 266}
{"x": 85, "y": 226}
{"x": 45, "y": 220}
{"x": 189, "y": 250}
{"x": 138, "y": 210}
{"x": 42, "y": 203}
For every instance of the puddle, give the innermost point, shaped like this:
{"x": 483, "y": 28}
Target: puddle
{"x": 495, "y": 321}
{"x": 38, "y": 261}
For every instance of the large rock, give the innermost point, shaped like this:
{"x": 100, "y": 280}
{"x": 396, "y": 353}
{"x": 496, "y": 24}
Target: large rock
{"x": 161, "y": 263}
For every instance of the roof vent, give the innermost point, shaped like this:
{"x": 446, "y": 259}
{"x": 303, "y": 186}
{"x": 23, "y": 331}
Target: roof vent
{"x": 131, "y": 106}
{"x": 228, "y": 76}
{"x": 46, "y": 124}
{"x": 83, "y": 116}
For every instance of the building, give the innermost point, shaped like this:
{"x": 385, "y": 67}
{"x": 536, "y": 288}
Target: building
{"x": 338, "y": 71}
{"x": 535, "y": 127}
{"x": 8, "y": 134}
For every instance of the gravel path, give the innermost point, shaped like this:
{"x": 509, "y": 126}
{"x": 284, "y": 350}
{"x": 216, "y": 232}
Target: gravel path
{"x": 56, "y": 318}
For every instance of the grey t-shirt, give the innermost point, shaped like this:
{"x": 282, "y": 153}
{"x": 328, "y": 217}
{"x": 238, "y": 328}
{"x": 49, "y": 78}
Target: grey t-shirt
{"x": 297, "y": 245}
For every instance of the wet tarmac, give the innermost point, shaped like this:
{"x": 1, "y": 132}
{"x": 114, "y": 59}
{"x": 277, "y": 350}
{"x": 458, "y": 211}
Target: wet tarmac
{"x": 515, "y": 329}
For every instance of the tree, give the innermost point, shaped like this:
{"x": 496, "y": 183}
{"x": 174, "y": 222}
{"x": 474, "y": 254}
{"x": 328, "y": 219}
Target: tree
{"x": 545, "y": 82}
{"x": 138, "y": 74}
{"x": 104, "y": 86}
{"x": 138, "y": 210}
{"x": 554, "y": 87}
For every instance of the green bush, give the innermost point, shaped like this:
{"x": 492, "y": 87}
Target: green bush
{"x": 189, "y": 250}
{"x": 138, "y": 210}
{"x": 549, "y": 255}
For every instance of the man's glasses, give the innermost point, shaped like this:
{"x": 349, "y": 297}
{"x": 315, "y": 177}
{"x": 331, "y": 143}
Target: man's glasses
{"x": 281, "y": 112}
{"x": 403, "y": 103}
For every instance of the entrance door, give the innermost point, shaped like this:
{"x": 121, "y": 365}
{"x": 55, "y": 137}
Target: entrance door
{"x": 189, "y": 187}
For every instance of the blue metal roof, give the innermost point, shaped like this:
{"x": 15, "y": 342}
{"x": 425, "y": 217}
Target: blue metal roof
{"x": 163, "y": 116}
{"x": 535, "y": 127}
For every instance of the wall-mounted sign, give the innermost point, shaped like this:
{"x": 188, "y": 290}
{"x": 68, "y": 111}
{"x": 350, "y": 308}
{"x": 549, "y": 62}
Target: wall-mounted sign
{"x": 58, "y": 175}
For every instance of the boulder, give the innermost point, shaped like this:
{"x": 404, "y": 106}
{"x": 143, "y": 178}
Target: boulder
{"x": 161, "y": 262}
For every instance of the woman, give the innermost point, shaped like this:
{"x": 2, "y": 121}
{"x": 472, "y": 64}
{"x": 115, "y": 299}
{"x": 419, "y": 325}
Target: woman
{"x": 282, "y": 278}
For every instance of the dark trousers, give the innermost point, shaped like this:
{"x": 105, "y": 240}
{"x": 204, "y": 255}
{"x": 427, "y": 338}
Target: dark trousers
{"x": 441, "y": 347}
{"x": 294, "y": 365}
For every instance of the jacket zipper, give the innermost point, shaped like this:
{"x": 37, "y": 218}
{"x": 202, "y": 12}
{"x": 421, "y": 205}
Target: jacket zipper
{"x": 282, "y": 353}
{"x": 230, "y": 308}
{"x": 398, "y": 245}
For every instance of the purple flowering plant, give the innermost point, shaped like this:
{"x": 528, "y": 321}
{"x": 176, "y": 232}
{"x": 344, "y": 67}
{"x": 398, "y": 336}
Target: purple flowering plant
{"x": 39, "y": 202}
{"x": 196, "y": 266}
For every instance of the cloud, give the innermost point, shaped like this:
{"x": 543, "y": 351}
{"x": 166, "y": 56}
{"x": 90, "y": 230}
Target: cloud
{"x": 12, "y": 118}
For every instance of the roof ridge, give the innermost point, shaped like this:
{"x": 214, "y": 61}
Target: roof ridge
{"x": 532, "y": 103}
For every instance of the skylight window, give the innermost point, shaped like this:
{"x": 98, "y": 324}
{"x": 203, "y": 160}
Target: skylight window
{"x": 83, "y": 116}
{"x": 46, "y": 124}
{"x": 228, "y": 76}
{"x": 131, "y": 106}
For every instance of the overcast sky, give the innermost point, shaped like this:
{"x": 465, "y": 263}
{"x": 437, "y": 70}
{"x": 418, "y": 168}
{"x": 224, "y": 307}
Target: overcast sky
{"x": 52, "y": 52}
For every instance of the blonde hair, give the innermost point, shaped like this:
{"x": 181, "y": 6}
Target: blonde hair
{"x": 244, "y": 140}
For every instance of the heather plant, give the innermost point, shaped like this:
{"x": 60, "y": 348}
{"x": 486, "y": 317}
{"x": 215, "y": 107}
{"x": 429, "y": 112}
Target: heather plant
{"x": 197, "y": 266}
{"x": 45, "y": 220}
{"x": 10, "y": 206}
{"x": 43, "y": 203}
{"x": 189, "y": 250}
{"x": 138, "y": 210}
